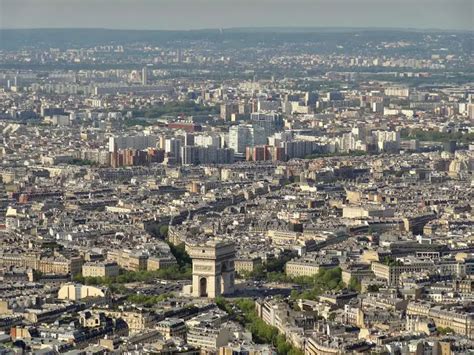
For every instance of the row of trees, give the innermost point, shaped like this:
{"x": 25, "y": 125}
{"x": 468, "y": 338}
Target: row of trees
{"x": 353, "y": 153}
{"x": 169, "y": 273}
{"x": 176, "y": 108}
{"x": 325, "y": 280}
{"x": 437, "y": 136}
{"x": 243, "y": 311}
{"x": 149, "y": 300}
{"x": 83, "y": 162}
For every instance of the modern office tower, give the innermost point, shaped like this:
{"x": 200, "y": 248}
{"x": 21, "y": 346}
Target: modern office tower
{"x": 213, "y": 268}
{"x": 399, "y": 91}
{"x": 334, "y": 96}
{"x": 188, "y": 139}
{"x": 387, "y": 141}
{"x": 377, "y": 107}
{"x": 193, "y": 155}
{"x": 179, "y": 56}
{"x": 173, "y": 147}
{"x": 242, "y": 136}
{"x": 52, "y": 111}
{"x": 227, "y": 109}
{"x": 310, "y": 98}
{"x": 268, "y": 105}
{"x": 449, "y": 147}
{"x": 245, "y": 108}
{"x": 207, "y": 140}
{"x": 347, "y": 142}
{"x": 135, "y": 157}
{"x": 269, "y": 121}
{"x": 298, "y": 149}
{"x": 361, "y": 132}
{"x": 145, "y": 76}
{"x": 132, "y": 142}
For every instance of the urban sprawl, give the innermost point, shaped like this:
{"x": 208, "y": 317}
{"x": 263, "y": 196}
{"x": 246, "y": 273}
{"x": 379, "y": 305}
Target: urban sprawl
{"x": 236, "y": 192}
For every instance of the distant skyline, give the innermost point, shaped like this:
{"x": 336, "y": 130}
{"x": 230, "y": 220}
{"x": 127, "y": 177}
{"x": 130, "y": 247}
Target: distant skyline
{"x": 203, "y": 14}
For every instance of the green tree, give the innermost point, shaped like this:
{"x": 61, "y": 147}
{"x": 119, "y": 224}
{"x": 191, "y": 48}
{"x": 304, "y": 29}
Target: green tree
{"x": 373, "y": 288}
{"x": 325, "y": 280}
{"x": 263, "y": 333}
{"x": 445, "y": 330}
{"x": 354, "y": 284}
{"x": 148, "y": 300}
{"x": 163, "y": 231}
{"x": 181, "y": 255}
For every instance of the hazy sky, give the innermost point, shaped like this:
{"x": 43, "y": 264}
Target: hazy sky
{"x": 192, "y": 14}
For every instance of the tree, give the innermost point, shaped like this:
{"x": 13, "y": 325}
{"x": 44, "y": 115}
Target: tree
{"x": 149, "y": 300}
{"x": 390, "y": 261}
{"x": 444, "y": 331}
{"x": 163, "y": 231}
{"x": 373, "y": 288}
{"x": 278, "y": 265}
{"x": 37, "y": 275}
{"x": 325, "y": 280}
{"x": 181, "y": 255}
{"x": 354, "y": 284}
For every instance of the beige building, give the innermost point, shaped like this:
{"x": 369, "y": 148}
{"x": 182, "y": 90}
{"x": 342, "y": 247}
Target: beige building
{"x": 272, "y": 313}
{"x": 305, "y": 267}
{"x": 209, "y": 339}
{"x": 172, "y": 327}
{"x": 247, "y": 264}
{"x": 460, "y": 321}
{"x": 100, "y": 269}
{"x": 301, "y": 267}
{"x": 26, "y": 260}
{"x": 136, "y": 321}
{"x": 57, "y": 265}
{"x": 280, "y": 237}
{"x": 392, "y": 273}
{"x": 128, "y": 259}
{"x": 156, "y": 263}
{"x": 61, "y": 265}
{"x": 213, "y": 268}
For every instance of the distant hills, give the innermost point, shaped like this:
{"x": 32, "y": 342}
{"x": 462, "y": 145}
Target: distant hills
{"x": 70, "y": 38}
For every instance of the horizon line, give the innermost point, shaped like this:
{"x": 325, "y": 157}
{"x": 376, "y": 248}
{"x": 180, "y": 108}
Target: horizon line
{"x": 370, "y": 28}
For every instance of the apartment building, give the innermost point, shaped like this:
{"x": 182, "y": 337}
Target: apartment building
{"x": 459, "y": 320}
{"x": 209, "y": 339}
{"x": 128, "y": 259}
{"x": 172, "y": 327}
{"x": 100, "y": 269}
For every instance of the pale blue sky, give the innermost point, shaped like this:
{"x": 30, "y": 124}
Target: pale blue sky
{"x": 192, "y": 14}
